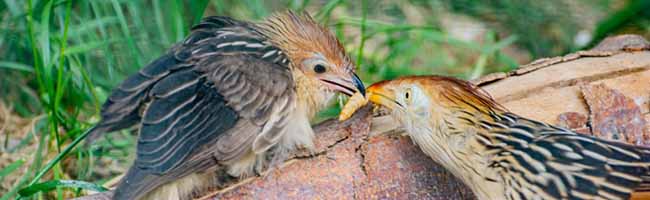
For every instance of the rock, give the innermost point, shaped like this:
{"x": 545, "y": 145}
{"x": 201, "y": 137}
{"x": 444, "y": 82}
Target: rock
{"x": 615, "y": 116}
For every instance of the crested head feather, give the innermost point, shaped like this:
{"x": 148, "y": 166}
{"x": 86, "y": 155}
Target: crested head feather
{"x": 462, "y": 91}
{"x": 300, "y": 36}
{"x": 453, "y": 92}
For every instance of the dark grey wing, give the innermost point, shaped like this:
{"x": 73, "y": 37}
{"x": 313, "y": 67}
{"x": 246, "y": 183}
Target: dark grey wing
{"x": 185, "y": 112}
{"x": 123, "y": 109}
{"x": 191, "y": 107}
{"x": 224, "y": 80}
{"x": 194, "y": 107}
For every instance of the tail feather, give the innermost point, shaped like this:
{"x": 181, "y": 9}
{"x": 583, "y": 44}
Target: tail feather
{"x": 136, "y": 184}
{"x": 98, "y": 131}
{"x": 102, "y": 128}
{"x": 95, "y": 132}
{"x": 141, "y": 184}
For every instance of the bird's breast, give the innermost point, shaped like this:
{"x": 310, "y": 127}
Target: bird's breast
{"x": 312, "y": 96}
{"x": 461, "y": 155}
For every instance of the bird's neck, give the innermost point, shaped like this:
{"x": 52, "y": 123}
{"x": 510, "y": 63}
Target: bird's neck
{"x": 456, "y": 141}
{"x": 312, "y": 95}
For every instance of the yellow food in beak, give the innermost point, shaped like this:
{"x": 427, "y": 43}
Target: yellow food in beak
{"x": 354, "y": 103}
{"x": 376, "y": 94}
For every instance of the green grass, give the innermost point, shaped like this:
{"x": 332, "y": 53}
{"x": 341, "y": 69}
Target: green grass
{"x": 60, "y": 58}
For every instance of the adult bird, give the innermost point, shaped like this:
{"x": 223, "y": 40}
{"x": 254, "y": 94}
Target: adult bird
{"x": 501, "y": 155}
{"x": 232, "y": 98}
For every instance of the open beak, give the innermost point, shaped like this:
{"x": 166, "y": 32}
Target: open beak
{"x": 348, "y": 87}
{"x": 377, "y": 94}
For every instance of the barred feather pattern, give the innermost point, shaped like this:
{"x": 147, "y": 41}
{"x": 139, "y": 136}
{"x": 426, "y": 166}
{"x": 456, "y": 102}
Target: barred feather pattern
{"x": 534, "y": 160}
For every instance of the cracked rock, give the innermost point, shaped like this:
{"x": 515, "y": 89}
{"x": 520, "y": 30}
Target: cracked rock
{"x": 615, "y": 116}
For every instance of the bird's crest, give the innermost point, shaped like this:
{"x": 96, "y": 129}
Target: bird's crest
{"x": 468, "y": 93}
{"x": 458, "y": 92}
{"x": 299, "y": 35}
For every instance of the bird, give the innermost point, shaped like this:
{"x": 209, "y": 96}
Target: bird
{"x": 230, "y": 100}
{"x": 501, "y": 155}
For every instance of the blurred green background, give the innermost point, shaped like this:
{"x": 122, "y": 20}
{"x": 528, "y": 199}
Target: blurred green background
{"x": 60, "y": 59}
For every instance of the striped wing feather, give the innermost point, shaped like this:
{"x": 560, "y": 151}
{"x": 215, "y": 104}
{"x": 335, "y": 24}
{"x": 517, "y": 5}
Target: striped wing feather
{"x": 560, "y": 164}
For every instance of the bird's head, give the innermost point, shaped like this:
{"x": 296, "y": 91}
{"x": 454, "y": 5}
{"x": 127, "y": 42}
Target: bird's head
{"x": 431, "y": 101}
{"x": 314, "y": 51}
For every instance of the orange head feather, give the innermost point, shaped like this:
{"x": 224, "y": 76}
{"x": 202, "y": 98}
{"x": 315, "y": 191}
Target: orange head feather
{"x": 318, "y": 60}
{"x": 445, "y": 92}
{"x": 301, "y": 37}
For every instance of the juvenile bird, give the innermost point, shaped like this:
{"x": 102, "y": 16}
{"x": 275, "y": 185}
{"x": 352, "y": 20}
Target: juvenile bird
{"x": 501, "y": 155}
{"x": 233, "y": 98}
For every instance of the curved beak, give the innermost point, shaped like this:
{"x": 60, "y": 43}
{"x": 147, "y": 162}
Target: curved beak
{"x": 358, "y": 84}
{"x": 377, "y": 94}
{"x": 349, "y": 86}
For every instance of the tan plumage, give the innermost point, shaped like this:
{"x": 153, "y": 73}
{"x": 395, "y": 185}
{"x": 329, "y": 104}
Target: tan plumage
{"x": 501, "y": 155}
{"x": 230, "y": 100}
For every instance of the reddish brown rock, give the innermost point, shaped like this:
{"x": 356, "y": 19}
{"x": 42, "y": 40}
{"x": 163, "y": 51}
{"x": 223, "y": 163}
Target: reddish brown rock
{"x": 349, "y": 165}
{"x": 397, "y": 169}
{"x": 330, "y": 175}
{"x": 615, "y": 116}
{"x": 574, "y": 121}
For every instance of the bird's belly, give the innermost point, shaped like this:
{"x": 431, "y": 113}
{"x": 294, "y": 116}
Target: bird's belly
{"x": 183, "y": 188}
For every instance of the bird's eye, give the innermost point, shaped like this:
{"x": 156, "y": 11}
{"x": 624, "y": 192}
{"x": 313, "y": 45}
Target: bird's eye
{"x": 319, "y": 69}
{"x": 408, "y": 95}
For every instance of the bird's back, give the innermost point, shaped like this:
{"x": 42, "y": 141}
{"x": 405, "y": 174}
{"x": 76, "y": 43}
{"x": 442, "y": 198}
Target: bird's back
{"x": 127, "y": 102}
{"x": 535, "y": 159}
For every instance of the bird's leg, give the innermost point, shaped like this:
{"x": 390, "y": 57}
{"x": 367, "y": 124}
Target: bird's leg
{"x": 260, "y": 165}
{"x": 222, "y": 178}
{"x": 272, "y": 160}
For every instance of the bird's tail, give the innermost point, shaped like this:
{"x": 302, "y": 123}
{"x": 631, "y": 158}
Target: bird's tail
{"x": 95, "y": 133}
{"x": 136, "y": 184}
{"x": 140, "y": 184}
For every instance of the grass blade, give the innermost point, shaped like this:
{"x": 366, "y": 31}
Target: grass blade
{"x": 16, "y": 66}
{"x": 324, "y": 13}
{"x": 54, "y": 184}
{"x": 10, "y": 168}
{"x": 126, "y": 31}
{"x": 59, "y": 156}
{"x": 36, "y": 161}
{"x": 198, "y": 8}
{"x": 364, "y": 14}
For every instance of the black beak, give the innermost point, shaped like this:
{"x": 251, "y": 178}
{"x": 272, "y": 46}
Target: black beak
{"x": 358, "y": 84}
{"x": 347, "y": 86}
